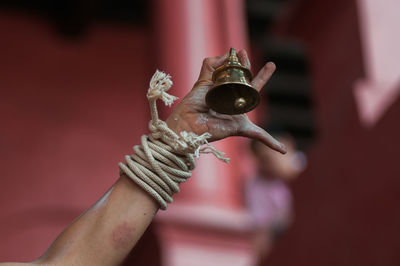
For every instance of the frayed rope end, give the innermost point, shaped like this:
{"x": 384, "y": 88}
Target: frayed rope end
{"x": 194, "y": 140}
{"x": 159, "y": 84}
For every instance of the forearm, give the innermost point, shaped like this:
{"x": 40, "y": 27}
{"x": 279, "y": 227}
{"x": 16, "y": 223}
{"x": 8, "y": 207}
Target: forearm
{"x": 107, "y": 231}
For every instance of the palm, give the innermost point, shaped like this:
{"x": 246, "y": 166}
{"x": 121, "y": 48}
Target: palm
{"x": 193, "y": 115}
{"x": 200, "y": 119}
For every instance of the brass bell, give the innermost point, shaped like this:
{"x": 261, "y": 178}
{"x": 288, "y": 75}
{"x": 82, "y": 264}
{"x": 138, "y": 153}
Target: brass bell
{"x": 232, "y": 92}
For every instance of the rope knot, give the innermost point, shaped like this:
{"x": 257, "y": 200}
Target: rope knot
{"x": 187, "y": 142}
{"x": 154, "y": 127}
{"x": 195, "y": 141}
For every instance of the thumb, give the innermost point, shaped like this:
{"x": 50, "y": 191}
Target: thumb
{"x": 255, "y": 132}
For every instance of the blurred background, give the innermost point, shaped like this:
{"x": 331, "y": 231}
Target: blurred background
{"x": 73, "y": 78}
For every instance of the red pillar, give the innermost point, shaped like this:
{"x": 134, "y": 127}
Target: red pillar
{"x": 188, "y": 32}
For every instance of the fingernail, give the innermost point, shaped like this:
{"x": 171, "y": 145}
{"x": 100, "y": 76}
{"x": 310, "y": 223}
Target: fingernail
{"x": 283, "y": 148}
{"x": 271, "y": 64}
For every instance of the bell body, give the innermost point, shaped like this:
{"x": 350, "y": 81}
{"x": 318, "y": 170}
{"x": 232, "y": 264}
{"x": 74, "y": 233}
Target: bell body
{"x": 232, "y": 92}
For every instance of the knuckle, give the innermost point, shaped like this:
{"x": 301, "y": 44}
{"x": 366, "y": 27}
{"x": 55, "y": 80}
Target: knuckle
{"x": 202, "y": 82}
{"x": 207, "y": 62}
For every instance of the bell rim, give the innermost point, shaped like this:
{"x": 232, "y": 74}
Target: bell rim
{"x": 238, "y": 83}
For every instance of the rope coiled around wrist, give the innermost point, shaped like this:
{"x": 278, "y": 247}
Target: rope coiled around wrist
{"x": 164, "y": 159}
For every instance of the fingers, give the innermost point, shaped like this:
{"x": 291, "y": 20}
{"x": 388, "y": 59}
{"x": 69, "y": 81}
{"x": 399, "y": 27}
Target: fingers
{"x": 260, "y": 134}
{"x": 263, "y": 76}
{"x": 212, "y": 63}
{"x": 244, "y": 58}
{"x": 208, "y": 67}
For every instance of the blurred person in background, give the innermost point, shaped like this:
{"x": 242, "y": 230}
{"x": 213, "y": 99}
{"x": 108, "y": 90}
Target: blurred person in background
{"x": 267, "y": 194}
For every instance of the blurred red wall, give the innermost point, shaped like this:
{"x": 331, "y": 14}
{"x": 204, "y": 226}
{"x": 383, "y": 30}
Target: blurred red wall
{"x": 64, "y": 106}
{"x": 346, "y": 203}
{"x": 69, "y": 111}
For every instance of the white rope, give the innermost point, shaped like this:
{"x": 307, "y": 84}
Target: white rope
{"x": 165, "y": 159}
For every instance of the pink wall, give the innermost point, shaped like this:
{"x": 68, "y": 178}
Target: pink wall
{"x": 347, "y": 201}
{"x": 380, "y": 87}
{"x": 69, "y": 111}
{"x": 64, "y": 116}
{"x": 205, "y": 224}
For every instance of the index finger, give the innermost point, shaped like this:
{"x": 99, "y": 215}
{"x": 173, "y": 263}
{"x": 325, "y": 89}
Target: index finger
{"x": 255, "y": 132}
{"x": 209, "y": 66}
{"x": 263, "y": 76}
{"x": 244, "y": 58}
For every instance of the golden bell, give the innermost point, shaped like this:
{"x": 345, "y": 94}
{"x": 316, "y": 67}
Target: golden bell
{"x": 232, "y": 93}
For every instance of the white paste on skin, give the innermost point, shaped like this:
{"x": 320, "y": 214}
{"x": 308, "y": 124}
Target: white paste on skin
{"x": 219, "y": 126}
{"x": 202, "y": 119}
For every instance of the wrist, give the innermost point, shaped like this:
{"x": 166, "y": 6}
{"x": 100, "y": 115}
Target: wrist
{"x": 175, "y": 123}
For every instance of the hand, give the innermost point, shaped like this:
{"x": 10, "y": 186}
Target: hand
{"x": 193, "y": 115}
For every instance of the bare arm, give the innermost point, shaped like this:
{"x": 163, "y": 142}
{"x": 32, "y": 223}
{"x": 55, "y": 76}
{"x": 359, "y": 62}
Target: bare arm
{"x": 108, "y": 230}
{"x": 105, "y": 233}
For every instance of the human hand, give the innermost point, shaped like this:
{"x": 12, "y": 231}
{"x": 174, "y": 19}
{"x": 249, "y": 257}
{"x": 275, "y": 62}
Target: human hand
{"x": 193, "y": 115}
